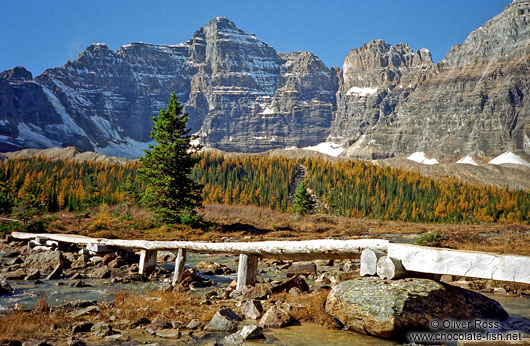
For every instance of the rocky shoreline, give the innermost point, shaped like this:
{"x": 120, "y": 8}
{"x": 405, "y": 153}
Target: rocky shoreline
{"x": 202, "y": 311}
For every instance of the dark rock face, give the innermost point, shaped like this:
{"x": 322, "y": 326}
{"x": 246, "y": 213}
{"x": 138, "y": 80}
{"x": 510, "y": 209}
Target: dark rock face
{"x": 239, "y": 92}
{"x": 242, "y": 95}
{"x": 390, "y": 309}
{"x": 475, "y": 101}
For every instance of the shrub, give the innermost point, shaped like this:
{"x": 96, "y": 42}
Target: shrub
{"x": 433, "y": 238}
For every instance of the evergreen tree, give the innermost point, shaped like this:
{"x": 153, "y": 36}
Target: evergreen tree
{"x": 167, "y": 166}
{"x": 302, "y": 201}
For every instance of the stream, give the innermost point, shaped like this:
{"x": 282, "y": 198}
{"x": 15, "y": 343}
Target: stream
{"x": 59, "y": 292}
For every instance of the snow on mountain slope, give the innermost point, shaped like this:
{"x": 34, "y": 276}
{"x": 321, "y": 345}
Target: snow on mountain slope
{"x": 468, "y": 160}
{"x": 327, "y": 148}
{"x": 420, "y": 157}
{"x": 509, "y": 157}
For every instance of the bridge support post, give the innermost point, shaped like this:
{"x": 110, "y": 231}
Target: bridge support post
{"x": 179, "y": 266}
{"x": 247, "y": 270}
{"x": 147, "y": 262}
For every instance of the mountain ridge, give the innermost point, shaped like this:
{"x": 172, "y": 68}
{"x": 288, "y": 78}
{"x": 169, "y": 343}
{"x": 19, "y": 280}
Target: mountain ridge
{"x": 242, "y": 95}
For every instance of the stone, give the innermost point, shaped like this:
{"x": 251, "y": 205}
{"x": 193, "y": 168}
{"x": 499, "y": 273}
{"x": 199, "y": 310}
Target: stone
{"x": 18, "y": 274}
{"x": 101, "y": 329}
{"x": 224, "y": 320}
{"x": 168, "y": 333}
{"x": 45, "y": 262}
{"x": 252, "y": 309}
{"x": 161, "y": 322}
{"x": 77, "y": 276}
{"x": 295, "y": 281}
{"x": 259, "y": 291}
{"x": 81, "y": 262}
{"x": 82, "y": 327}
{"x": 301, "y": 268}
{"x": 390, "y": 309}
{"x": 275, "y": 318}
{"x": 141, "y": 321}
{"x": 33, "y": 275}
{"x": 117, "y": 262}
{"x": 36, "y": 343}
{"x": 194, "y": 324}
{"x": 100, "y": 273}
{"x": 5, "y": 288}
{"x": 56, "y": 272}
{"x": 75, "y": 342}
{"x": 250, "y": 332}
{"x": 12, "y": 261}
{"x": 93, "y": 309}
{"x": 214, "y": 268}
{"x": 107, "y": 258}
{"x": 295, "y": 291}
{"x": 79, "y": 284}
{"x": 177, "y": 325}
{"x": 116, "y": 338}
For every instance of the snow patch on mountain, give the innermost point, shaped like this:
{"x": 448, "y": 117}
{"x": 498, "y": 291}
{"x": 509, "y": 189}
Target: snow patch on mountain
{"x": 468, "y": 160}
{"x": 328, "y": 148}
{"x": 31, "y": 137}
{"x": 509, "y": 157}
{"x": 70, "y": 125}
{"x": 128, "y": 148}
{"x": 361, "y": 91}
{"x": 420, "y": 157}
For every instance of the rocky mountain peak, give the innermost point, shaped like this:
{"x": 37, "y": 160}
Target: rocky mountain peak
{"x": 17, "y": 74}
{"x": 241, "y": 95}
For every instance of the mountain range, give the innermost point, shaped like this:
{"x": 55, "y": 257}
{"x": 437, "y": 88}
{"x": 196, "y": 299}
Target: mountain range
{"x": 244, "y": 96}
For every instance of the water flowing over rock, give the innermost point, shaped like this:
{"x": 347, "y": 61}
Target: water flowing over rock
{"x": 242, "y": 95}
{"x": 390, "y": 309}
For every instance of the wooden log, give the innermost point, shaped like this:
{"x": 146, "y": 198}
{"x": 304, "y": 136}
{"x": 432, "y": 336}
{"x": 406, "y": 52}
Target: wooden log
{"x": 462, "y": 263}
{"x": 247, "y": 270}
{"x": 147, "y": 262}
{"x": 294, "y": 250}
{"x": 390, "y": 268}
{"x": 369, "y": 258}
{"x": 179, "y": 266}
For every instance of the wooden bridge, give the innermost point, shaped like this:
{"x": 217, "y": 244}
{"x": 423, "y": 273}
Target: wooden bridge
{"x": 390, "y": 260}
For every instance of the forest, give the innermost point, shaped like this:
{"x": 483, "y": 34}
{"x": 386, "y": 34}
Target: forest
{"x": 346, "y": 188}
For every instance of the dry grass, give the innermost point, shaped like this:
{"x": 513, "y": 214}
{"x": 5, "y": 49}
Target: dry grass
{"x": 174, "y": 305}
{"x": 253, "y": 223}
{"x": 31, "y": 324}
{"x": 309, "y": 308}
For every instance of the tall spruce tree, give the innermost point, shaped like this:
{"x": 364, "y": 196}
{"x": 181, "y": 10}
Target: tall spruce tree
{"x": 302, "y": 201}
{"x": 167, "y": 165}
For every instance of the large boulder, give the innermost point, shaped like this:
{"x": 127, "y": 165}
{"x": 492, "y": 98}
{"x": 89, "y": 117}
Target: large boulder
{"x": 45, "y": 261}
{"x": 224, "y": 320}
{"x": 390, "y": 309}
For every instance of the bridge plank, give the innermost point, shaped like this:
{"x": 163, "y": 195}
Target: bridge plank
{"x": 462, "y": 263}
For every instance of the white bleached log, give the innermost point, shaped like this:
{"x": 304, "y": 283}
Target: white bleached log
{"x": 296, "y": 250}
{"x": 147, "y": 262}
{"x": 247, "y": 270}
{"x": 390, "y": 268}
{"x": 369, "y": 259}
{"x": 462, "y": 263}
{"x": 179, "y": 266}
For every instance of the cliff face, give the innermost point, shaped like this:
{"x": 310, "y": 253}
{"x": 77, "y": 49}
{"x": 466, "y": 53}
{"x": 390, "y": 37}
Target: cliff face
{"x": 475, "y": 101}
{"x": 242, "y": 95}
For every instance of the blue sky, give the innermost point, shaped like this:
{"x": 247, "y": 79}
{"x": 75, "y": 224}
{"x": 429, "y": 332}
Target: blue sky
{"x": 39, "y": 34}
